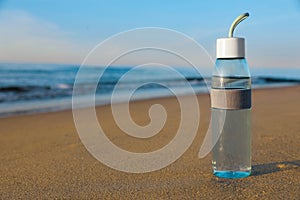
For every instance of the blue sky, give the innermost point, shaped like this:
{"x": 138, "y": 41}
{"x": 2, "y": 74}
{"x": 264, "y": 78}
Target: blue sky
{"x": 52, "y": 31}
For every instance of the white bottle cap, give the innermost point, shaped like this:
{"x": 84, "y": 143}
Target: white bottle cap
{"x": 231, "y": 47}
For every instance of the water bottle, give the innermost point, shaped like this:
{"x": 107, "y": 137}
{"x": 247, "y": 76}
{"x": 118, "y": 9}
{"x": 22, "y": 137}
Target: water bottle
{"x": 231, "y": 108}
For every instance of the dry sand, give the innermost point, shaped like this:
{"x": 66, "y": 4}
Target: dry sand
{"x": 42, "y": 156}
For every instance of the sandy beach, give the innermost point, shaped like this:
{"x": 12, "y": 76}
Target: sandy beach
{"x": 42, "y": 156}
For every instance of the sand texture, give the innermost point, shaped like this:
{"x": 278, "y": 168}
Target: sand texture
{"x": 42, "y": 156}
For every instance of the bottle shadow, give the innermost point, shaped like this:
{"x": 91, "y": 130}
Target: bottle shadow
{"x": 268, "y": 168}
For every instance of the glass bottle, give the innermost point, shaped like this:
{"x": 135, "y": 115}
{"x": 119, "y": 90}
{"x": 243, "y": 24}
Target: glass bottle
{"x": 231, "y": 109}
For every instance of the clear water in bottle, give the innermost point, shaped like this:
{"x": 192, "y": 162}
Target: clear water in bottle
{"x": 231, "y": 155}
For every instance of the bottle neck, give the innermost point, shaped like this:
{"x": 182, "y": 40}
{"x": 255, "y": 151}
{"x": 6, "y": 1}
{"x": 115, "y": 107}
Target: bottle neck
{"x": 231, "y": 67}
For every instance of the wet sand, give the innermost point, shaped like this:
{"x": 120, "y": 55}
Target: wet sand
{"x": 42, "y": 156}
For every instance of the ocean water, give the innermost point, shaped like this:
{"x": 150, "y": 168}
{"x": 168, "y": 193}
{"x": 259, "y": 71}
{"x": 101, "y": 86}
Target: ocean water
{"x": 30, "y": 88}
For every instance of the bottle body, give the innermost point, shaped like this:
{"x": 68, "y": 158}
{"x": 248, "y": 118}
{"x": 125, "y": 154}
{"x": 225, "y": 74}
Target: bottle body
{"x": 231, "y": 118}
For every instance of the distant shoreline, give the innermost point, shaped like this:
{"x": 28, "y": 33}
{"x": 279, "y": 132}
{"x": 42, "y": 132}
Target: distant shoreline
{"x": 65, "y": 105}
{"x": 35, "y": 88}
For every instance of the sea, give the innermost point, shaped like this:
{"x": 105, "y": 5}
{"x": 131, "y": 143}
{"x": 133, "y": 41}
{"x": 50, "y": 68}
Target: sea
{"x": 35, "y": 88}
